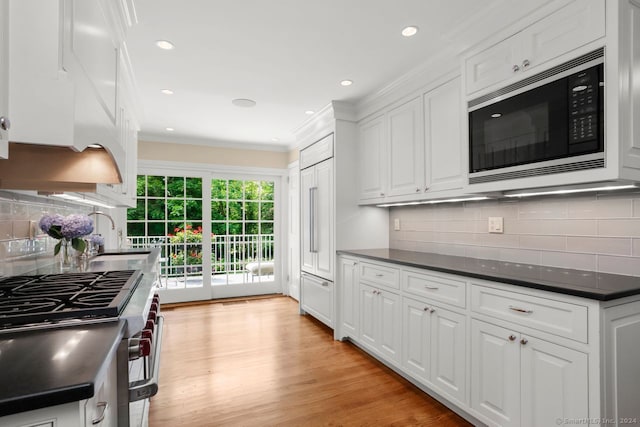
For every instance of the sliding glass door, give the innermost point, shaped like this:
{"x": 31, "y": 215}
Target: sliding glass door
{"x": 217, "y": 234}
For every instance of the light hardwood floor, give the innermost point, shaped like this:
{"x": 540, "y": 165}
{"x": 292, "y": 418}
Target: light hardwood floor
{"x": 259, "y": 363}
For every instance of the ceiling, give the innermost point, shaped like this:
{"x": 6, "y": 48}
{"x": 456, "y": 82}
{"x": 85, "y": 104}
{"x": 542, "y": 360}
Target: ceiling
{"x": 289, "y": 56}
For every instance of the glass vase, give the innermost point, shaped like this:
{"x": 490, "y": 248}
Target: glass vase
{"x": 66, "y": 254}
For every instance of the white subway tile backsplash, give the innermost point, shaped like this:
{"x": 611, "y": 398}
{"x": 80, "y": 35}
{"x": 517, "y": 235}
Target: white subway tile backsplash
{"x": 596, "y": 232}
{"x": 569, "y": 260}
{"x": 543, "y": 209}
{"x": 601, "y": 208}
{"x": 6, "y": 230}
{"x": 599, "y": 245}
{"x": 619, "y": 227}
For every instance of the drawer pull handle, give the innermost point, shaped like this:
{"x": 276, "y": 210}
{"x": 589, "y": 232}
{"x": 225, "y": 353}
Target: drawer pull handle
{"x": 512, "y": 337}
{"x": 431, "y": 288}
{"x": 520, "y": 310}
{"x": 524, "y": 341}
{"x": 104, "y": 406}
{"x": 425, "y": 309}
{"x": 325, "y": 284}
{"x": 379, "y": 274}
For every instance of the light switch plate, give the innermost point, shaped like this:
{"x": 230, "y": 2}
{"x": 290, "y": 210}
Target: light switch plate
{"x": 396, "y": 224}
{"x": 496, "y": 224}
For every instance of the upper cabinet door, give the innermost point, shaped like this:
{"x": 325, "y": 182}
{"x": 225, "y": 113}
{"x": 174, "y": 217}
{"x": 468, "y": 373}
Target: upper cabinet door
{"x": 372, "y": 159}
{"x": 574, "y": 25}
{"x": 443, "y": 117}
{"x": 5, "y": 120}
{"x": 406, "y": 149}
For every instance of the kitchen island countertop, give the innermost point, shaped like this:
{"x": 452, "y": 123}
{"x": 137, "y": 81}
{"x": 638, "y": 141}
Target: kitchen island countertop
{"x": 582, "y": 283}
{"x": 39, "y": 367}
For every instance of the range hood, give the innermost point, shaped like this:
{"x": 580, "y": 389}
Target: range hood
{"x": 50, "y": 168}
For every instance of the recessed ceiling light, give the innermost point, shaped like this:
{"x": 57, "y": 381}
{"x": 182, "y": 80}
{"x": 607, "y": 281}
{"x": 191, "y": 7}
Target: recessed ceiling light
{"x": 346, "y": 82}
{"x": 167, "y": 91}
{"x": 496, "y": 115}
{"x": 275, "y": 139}
{"x": 170, "y": 129}
{"x": 409, "y": 31}
{"x": 309, "y": 112}
{"x": 94, "y": 146}
{"x": 165, "y": 44}
{"x": 244, "y": 103}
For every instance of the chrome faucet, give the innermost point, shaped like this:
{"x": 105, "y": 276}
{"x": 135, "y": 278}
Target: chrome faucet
{"x": 113, "y": 224}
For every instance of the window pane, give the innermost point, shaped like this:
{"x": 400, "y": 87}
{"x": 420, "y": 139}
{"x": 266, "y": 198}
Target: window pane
{"x": 251, "y": 211}
{"x": 266, "y": 211}
{"x": 235, "y": 228}
{"x": 175, "y": 186}
{"x": 155, "y": 186}
{"x": 194, "y": 188}
{"x": 251, "y": 190}
{"x": 136, "y": 213}
{"x": 218, "y": 211}
{"x": 266, "y": 228}
{"x": 218, "y": 189}
{"x": 175, "y": 232}
{"x": 194, "y": 209}
{"x": 235, "y": 190}
{"x": 175, "y": 209}
{"x": 141, "y": 185}
{"x": 155, "y": 209}
{"x": 194, "y": 232}
{"x": 155, "y": 229}
{"x": 135, "y": 229}
{"x": 219, "y": 228}
{"x": 267, "y": 190}
{"x": 235, "y": 211}
{"x": 251, "y": 228}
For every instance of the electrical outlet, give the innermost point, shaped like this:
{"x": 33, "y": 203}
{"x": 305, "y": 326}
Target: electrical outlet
{"x": 496, "y": 224}
{"x": 396, "y": 224}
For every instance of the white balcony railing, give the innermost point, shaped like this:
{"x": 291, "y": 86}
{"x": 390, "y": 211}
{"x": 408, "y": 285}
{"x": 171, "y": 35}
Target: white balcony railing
{"x": 230, "y": 253}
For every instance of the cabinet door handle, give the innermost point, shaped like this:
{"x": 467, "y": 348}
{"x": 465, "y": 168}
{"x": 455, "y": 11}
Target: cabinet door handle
{"x": 425, "y": 309}
{"x": 520, "y": 310}
{"x": 325, "y": 284}
{"x": 381, "y": 194}
{"x": 526, "y": 63}
{"x": 512, "y": 337}
{"x": 379, "y": 274}
{"x": 417, "y": 190}
{"x": 432, "y": 310}
{"x": 431, "y": 288}
{"x": 516, "y": 68}
{"x": 104, "y": 406}
{"x": 5, "y": 123}
{"x": 524, "y": 341}
{"x": 426, "y": 189}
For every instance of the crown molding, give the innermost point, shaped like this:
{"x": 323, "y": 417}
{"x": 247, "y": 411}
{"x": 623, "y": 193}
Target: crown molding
{"x": 187, "y": 140}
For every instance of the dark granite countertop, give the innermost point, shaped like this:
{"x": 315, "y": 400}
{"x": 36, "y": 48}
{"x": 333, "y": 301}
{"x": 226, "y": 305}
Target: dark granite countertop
{"x": 582, "y": 283}
{"x": 40, "y": 368}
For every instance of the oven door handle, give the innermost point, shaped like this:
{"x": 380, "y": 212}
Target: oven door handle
{"x": 148, "y": 387}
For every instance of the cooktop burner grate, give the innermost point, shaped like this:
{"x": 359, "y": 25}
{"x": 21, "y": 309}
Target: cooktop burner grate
{"x": 49, "y": 298}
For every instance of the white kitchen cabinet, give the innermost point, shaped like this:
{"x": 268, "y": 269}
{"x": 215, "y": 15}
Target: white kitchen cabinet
{"x": 434, "y": 346}
{"x": 348, "y": 293}
{"x": 316, "y": 198}
{"x": 5, "y": 119}
{"x": 520, "y": 380}
{"x": 406, "y": 149}
{"x": 574, "y": 25}
{"x": 380, "y": 322}
{"x": 317, "y": 297}
{"x": 372, "y": 159}
{"x": 444, "y": 130}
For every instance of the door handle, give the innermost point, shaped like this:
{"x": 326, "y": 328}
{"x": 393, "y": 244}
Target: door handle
{"x": 312, "y": 219}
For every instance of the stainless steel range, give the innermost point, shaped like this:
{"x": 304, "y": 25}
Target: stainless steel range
{"x": 41, "y": 301}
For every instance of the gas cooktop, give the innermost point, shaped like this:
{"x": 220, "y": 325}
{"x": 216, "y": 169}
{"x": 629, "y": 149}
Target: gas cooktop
{"x": 51, "y": 298}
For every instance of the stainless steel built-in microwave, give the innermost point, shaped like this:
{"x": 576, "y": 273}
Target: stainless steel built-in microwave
{"x": 551, "y": 122}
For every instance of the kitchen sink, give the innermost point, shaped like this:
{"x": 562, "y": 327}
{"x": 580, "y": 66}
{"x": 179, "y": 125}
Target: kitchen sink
{"x": 121, "y": 256}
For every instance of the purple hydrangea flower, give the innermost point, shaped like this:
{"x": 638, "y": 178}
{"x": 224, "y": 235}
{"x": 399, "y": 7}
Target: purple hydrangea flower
{"x": 76, "y": 225}
{"x": 48, "y": 220}
{"x": 97, "y": 239}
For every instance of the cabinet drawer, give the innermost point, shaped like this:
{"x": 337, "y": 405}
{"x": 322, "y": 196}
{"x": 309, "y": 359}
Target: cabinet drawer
{"x": 380, "y": 275}
{"x": 435, "y": 287}
{"x": 556, "y": 317}
{"x": 316, "y": 297}
{"x": 317, "y": 152}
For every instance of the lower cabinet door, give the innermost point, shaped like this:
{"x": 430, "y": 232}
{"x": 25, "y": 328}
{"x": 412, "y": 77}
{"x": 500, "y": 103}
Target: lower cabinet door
{"x": 416, "y": 332}
{"x": 390, "y": 318}
{"x": 349, "y": 291}
{"x": 495, "y": 373}
{"x": 316, "y": 298}
{"x": 448, "y": 352}
{"x": 554, "y": 383}
{"x": 368, "y": 317}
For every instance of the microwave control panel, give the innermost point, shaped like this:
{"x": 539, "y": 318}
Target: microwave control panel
{"x": 583, "y": 106}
